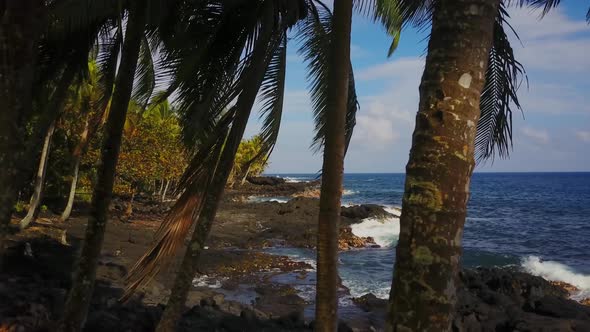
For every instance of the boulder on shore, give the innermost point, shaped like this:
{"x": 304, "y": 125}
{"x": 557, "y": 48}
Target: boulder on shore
{"x": 266, "y": 180}
{"x": 506, "y": 300}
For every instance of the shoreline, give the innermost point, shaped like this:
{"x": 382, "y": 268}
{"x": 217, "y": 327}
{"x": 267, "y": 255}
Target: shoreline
{"x": 278, "y": 287}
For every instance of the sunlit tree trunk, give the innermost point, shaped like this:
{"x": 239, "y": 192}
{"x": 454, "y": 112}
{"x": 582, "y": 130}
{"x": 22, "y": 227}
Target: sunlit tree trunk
{"x": 165, "y": 190}
{"x": 246, "y": 174}
{"x": 441, "y": 162}
{"x": 333, "y": 169}
{"x": 19, "y": 21}
{"x": 161, "y": 187}
{"x": 39, "y": 180}
{"x": 80, "y": 293}
{"x": 77, "y": 159}
{"x": 188, "y": 267}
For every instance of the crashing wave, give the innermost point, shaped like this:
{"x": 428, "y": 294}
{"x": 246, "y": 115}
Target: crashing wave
{"x": 555, "y": 271}
{"x": 384, "y": 231}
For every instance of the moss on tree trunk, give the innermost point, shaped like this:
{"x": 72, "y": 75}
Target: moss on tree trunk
{"x": 439, "y": 170}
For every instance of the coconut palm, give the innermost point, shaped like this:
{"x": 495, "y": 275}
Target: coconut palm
{"x": 43, "y": 50}
{"x": 86, "y": 98}
{"x": 215, "y": 132}
{"x": 79, "y": 296}
{"x": 466, "y": 94}
{"x": 333, "y": 167}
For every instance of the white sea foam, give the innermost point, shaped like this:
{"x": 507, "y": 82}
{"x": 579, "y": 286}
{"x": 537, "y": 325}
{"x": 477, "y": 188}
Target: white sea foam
{"x": 207, "y": 281}
{"x": 385, "y": 232}
{"x": 348, "y": 192}
{"x": 260, "y": 199}
{"x": 395, "y": 210}
{"x": 294, "y": 179}
{"x": 555, "y": 271}
{"x": 278, "y": 200}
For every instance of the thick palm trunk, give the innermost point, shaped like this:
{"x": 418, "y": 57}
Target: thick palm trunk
{"x": 332, "y": 170}
{"x": 188, "y": 267}
{"x": 441, "y": 162}
{"x": 81, "y": 291}
{"x": 19, "y": 21}
{"x": 77, "y": 159}
{"x": 40, "y": 179}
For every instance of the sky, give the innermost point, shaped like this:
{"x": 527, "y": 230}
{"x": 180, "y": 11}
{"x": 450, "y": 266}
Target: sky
{"x": 551, "y": 134}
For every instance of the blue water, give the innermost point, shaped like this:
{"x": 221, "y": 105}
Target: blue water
{"x": 539, "y": 221}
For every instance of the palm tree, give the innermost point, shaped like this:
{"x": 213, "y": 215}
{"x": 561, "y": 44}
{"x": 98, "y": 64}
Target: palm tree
{"x": 80, "y": 293}
{"x": 333, "y": 168}
{"x": 56, "y": 107}
{"x": 86, "y": 99}
{"x": 36, "y": 57}
{"x": 469, "y": 83}
{"x": 220, "y": 131}
{"x": 19, "y": 24}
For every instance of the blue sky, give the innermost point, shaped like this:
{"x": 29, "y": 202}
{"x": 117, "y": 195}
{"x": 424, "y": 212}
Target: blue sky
{"x": 553, "y": 135}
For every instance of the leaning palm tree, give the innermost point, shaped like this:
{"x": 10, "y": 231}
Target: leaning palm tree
{"x": 43, "y": 49}
{"x": 18, "y": 37}
{"x": 259, "y": 32}
{"x": 80, "y": 293}
{"x": 86, "y": 99}
{"x": 216, "y": 133}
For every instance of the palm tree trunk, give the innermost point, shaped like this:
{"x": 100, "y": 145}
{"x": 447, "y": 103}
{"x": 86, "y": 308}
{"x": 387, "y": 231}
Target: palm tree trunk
{"x": 332, "y": 170}
{"x": 246, "y": 174}
{"x": 40, "y": 179}
{"x": 438, "y": 173}
{"x": 19, "y": 22}
{"x": 80, "y": 293}
{"x": 188, "y": 267}
{"x": 161, "y": 188}
{"x": 77, "y": 159}
{"x": 165, "y": 190}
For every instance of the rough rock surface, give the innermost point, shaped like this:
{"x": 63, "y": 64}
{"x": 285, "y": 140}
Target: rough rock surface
{"x": 506, "y": 300}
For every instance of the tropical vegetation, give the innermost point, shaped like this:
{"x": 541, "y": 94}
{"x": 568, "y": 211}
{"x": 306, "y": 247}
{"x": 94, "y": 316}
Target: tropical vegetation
{"x": 125, "y": 97}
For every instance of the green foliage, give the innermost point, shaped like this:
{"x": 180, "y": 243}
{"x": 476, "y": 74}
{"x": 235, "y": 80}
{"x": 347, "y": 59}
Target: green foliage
{"x": 151, "y": 149}
{"x": 250, "y": 159}
{"x": 20, "y": 206}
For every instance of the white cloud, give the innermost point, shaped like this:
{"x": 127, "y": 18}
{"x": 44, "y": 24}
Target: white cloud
{"x": 538, "y": 136}
{"x": 386, "y": 119}
{"x": 392, "y": 69}
{"x": 555, "y": 43}
{"x": 529, "y": 25}
{"x": 583, "y": 136}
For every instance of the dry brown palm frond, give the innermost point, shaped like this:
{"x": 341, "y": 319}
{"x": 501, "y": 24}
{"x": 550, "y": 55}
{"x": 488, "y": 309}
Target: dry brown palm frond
{"x": 170, "y": 237}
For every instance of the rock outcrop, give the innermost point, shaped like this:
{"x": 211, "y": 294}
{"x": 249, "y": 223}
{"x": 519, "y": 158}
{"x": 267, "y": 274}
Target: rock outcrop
{"x": 506, "y": 300}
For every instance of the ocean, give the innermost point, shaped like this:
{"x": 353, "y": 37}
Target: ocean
{"x": 539, "y": 222}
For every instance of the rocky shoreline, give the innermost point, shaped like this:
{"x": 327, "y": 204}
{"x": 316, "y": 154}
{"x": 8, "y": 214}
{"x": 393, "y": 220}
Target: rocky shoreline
{"x": 240, "y": 287}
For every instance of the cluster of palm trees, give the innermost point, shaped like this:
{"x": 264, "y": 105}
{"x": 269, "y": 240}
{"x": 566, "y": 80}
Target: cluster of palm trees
{"x": 216, "y": 58}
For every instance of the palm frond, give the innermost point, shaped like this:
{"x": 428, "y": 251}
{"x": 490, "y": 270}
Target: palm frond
{"x": 145, "y": 76}
{"x": 108, "y": 55}
{"x": 503, "y": 78}
{"x": 388, "y": 14}
{"x": 315, "y": 33}
{"x": 272, "y": 94}
{"x": 213, "y": 154}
